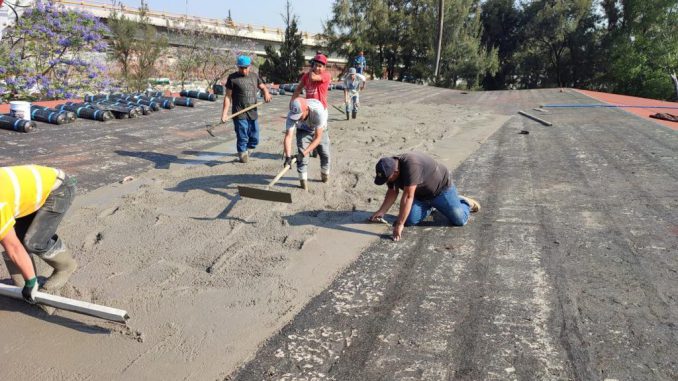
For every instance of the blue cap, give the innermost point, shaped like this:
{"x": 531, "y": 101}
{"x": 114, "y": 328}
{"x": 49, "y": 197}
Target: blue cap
{"x": 243, "y": 61}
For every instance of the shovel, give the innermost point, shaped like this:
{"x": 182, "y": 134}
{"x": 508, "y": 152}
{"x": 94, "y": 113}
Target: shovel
{"x": 211, "y": 128}
{"x": 267, "y": 194}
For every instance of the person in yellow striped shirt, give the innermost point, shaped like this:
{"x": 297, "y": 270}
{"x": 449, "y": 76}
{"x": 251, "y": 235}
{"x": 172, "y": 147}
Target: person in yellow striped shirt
{"x": 33, "y": 201}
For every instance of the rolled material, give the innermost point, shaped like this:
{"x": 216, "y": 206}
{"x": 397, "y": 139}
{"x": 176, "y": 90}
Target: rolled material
{"x": 87, "y": 112}
{"x": 53, "y": 117}
{"x": 198, "y": 95}
{"x": 70, "y": 115}
{"x": 154, "y": 94}
{"x": 163, "y": 102}
{"x": 119, "y": 110}
{"x": 176, "y": 101}
{"x": 16, "y": 124}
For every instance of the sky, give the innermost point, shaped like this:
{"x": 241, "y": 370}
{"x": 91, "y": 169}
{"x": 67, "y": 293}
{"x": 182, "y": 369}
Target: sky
{"x": 311, "y": 13}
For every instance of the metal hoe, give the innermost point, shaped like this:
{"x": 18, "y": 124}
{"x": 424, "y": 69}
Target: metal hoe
{"x": 267, "y": 194}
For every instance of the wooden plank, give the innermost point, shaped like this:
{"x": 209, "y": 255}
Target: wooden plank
{"x": 542, "y": 121}
{"x": 68, "y": 304}
{"x": 265, "y": 194}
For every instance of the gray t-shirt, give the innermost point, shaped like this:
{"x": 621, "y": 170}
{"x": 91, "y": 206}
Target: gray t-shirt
{"x": 244, "y": 93}
{"x": 430, "y": 177}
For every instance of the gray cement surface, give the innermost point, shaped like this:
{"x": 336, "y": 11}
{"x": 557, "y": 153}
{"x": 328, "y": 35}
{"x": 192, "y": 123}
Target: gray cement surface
{"x": 569, "y": 272}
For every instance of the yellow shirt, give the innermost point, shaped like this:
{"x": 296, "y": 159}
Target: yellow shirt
{"x": 23, "y": 190}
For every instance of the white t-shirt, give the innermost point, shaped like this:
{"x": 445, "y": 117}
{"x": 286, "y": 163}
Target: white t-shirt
{"x": 354, "y": 85}
{"x": 317, "y": 118}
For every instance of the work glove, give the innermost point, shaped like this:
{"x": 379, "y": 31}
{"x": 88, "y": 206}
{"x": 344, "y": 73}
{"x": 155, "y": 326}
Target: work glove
{"x": 30, "y": 289}
{"x": 288, "y": 161}
{"x": 300, "y": 157}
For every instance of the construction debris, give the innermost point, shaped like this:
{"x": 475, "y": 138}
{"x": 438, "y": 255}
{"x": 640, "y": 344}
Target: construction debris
{"x": 542, "y": 121}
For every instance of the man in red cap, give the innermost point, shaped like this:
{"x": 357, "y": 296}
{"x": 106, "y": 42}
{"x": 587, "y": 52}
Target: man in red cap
{"x": 316, "y": 82}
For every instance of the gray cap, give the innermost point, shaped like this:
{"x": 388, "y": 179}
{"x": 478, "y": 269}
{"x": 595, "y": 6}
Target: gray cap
{"x": 351, "y": 70}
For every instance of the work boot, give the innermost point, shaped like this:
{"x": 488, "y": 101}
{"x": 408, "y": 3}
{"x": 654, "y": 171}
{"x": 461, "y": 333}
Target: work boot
{"x": 347, "y": 115}
{"x": 473, "y": 205}
{"x": 303, "y": 184}
{"x": 63, "y": 264}
{"x": 243, "y": 156}
{"x": 14, "y": 271}
{"x": 325, "y": 177}
{"x": 354, "y": 114}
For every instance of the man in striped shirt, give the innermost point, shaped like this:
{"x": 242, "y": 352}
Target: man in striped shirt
{"x": 33, "y": 201}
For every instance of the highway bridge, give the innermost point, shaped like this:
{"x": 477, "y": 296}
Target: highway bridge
{"x": 258, "y": 36}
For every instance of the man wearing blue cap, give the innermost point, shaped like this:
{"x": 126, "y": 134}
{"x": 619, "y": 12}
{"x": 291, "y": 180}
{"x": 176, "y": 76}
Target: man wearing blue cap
{"x": 241, "y": 92}
{"x": 426, "y": 185}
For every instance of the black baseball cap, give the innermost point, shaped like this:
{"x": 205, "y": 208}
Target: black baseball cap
{"x": 385, "y": 168}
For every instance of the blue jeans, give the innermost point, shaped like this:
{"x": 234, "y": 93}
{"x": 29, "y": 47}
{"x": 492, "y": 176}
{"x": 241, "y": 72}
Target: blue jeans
{"x": 37, "y": 231}
{"x": 447, "y": 203}
{"x": 246, "y": 133}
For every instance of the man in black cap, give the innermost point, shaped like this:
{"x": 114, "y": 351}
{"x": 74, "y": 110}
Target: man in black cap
{"x": 426, "y": 184}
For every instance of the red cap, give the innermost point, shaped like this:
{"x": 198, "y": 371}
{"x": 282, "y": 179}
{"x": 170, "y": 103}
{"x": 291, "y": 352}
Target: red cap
{"x": 320, "y": 58}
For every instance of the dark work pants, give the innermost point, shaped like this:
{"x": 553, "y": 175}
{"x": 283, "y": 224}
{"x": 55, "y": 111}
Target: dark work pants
{"x": 37, "y": 231}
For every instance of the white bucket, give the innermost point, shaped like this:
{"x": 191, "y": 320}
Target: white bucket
{"x": 20, "y": 109}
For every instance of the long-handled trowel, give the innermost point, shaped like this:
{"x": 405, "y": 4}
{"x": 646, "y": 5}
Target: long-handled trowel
{"x": 211, "y": 127}
{"x": 267, "y": 194}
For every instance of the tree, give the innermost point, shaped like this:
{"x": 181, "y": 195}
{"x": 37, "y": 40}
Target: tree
{"x": 501, "y": 29}
{"x": 123, "y": 32}
{"x": 48, "y": 53}
{"x": 284, "y": 66}
{"x": 465, "y": 58}
{"x": 643, "y": 47}
{"x": 550, "y": 27}
{"x": 137, "y": 46}
{"x": 397, "y": 37}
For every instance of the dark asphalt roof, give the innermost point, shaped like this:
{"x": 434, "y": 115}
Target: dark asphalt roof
{"x": 568, "y": 272}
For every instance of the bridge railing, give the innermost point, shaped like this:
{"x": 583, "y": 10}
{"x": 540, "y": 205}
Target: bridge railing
{"x": 94, "y": 6}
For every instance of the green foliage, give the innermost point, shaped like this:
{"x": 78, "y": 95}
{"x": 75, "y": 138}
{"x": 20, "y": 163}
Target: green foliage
{"x": 399, "y": 41}
{"x": 644, "y": 49}
{"x": 137, "y": 45}
{"x": 631, "y": 47}
{"x": 284, "y": 66}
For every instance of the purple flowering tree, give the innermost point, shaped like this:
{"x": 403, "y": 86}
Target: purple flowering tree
{"x": 52, "y": 53}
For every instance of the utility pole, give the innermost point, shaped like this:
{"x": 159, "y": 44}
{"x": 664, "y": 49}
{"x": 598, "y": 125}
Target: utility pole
{"x": 441, "y": 7}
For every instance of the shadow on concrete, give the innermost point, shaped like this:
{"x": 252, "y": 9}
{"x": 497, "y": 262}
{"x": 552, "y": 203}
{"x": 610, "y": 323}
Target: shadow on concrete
{"x": 336, "y": 220}
{"x": 224, "y": 186}
{"x": 163, "y": 161}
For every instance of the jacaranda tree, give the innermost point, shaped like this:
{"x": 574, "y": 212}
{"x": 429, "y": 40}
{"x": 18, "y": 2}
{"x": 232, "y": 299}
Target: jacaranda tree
{"x": 50, "y": 53}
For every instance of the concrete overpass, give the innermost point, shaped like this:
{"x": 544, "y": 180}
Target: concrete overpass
{"x": 258, "y": 35}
